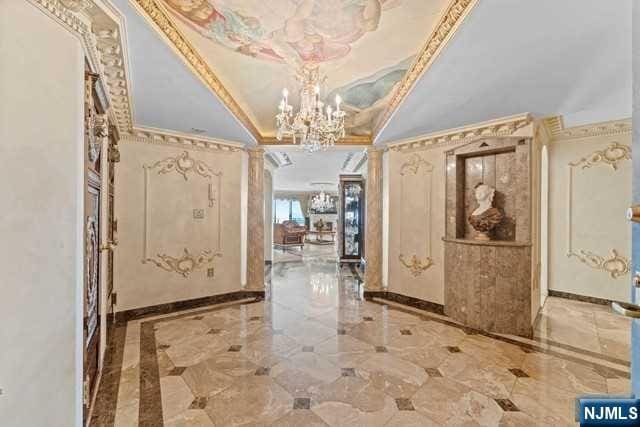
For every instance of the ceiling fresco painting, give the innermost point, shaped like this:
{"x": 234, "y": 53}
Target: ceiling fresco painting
{"x": 255, "y": 47}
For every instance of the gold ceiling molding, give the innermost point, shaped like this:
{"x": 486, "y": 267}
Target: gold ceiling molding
{"x": 101, "y": 34}
{"x": 555, "y": 127}
{"x": 615, "y": 265}
{"x": 158, "y": 16}
{"x": 180, "y": 140}
{"x": 501, "y": 127}
{"x": 442, "y": 33}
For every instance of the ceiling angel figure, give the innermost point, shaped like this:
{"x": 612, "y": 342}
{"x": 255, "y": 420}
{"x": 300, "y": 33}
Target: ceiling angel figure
{"x": 291, "y": 31}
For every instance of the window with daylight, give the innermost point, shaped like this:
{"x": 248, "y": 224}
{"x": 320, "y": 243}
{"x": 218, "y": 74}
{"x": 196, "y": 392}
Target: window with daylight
{"x": 288, "y": 209}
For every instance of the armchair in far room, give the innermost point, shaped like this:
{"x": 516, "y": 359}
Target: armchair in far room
{"x": 289, "y": 233}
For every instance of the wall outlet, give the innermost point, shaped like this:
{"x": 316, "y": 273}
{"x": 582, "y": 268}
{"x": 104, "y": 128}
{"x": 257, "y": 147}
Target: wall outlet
{"x": 210, "y": 272}
{"x": 198, "y": 214}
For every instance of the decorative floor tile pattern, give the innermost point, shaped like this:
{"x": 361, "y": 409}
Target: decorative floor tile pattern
{"x": 316, "y": 354}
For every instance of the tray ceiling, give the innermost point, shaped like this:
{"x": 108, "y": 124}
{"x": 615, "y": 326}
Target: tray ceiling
{"x": 252, "y": 49}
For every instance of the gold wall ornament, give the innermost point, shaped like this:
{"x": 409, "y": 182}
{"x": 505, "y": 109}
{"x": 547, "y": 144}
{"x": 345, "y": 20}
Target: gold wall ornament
{"x": 199, "y": 66}
{"x": 415, "y": 265}
{"x": 611, "y": 155}
{"x": 185, "y": 264}
{"x": 413, "y": 165}
{"x": 182, "y": 164}
{"x": 442, "y": 32}
{"x": 615, "y": 264}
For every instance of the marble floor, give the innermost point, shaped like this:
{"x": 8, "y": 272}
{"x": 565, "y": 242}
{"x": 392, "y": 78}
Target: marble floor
{"x": 315, "y": 354}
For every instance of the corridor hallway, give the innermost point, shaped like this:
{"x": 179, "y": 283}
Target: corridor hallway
{"x": 315, "y": 354}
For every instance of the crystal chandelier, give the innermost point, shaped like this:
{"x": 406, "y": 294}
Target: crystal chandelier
{"x": 322, "y": 202}
{"x": 314, "y": 125}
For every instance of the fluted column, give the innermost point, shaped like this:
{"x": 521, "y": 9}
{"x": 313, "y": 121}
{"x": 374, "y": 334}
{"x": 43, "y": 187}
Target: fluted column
{"x": 373, "y": 217}
{"x": 255, "y": 221}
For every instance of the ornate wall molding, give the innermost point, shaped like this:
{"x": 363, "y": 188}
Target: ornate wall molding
{"x": 611, "y": 155}
{"x": 175, "y": 139}
{"x": 185, "y": 166}
{"x": 186, "y": 263}
{"x": 555, "y": 127}
{"x": 442, "y": 33}
{"x": 501, "y": 127}
{"x": 158, "y": 16}
{"x": 615, "y": 265}
{"x": 105, "y": 47}
{"x": 411, "y": 168}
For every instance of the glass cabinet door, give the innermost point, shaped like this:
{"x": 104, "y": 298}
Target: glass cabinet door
{"x": 352, "y": 219}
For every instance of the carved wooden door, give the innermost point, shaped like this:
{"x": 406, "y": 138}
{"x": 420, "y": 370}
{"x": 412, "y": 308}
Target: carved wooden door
{"x": 95, "y": 131}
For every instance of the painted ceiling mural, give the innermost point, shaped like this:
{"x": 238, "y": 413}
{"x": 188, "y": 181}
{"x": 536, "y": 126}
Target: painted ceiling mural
{"x": 255, "y": 47}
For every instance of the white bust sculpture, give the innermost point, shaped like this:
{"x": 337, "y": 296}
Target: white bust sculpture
{"x": 484, "y": 195}
{"x": 485, "y": 217}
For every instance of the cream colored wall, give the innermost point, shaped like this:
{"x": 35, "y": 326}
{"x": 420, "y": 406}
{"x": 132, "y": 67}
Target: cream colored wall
{"x": 171, "y": 227}
{"x": 599, "y": 196}
{"x": 41, "y": 153}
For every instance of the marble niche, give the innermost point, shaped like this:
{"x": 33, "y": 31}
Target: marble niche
{"x": 488, "y": 276}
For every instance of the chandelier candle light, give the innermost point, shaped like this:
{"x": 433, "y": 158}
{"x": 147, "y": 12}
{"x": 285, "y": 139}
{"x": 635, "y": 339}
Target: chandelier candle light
{"x": 315, "y": 126}
{"x": 322, "y": 202}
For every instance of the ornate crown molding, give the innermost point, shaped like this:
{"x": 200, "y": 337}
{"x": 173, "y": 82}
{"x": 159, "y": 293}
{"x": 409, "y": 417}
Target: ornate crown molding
{"x": 104, "y": 46}
{"x": 501, "y": 127}
{"x": 347, "y": 140}
{"x": 442, "y": 33}
{"x": 158, "y": 16}
{"x": 180, "y": 140}
{"x": 555, "y": 127}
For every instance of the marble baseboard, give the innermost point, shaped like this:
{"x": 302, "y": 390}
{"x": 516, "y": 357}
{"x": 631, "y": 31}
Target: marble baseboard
{"x": 583, "y": 298}
{"x": 406, "y": 300}
{"x": 122, "y": 317}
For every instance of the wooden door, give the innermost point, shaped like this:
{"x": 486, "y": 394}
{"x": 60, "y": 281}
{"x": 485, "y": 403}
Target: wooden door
{"x": 95, "y": 132}
{"x": 111, "y": 221}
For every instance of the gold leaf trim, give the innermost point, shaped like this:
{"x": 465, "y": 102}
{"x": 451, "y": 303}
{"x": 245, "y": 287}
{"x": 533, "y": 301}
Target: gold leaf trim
{"x": 615, "y": 265}
{"x": 185, "y": 264}
{"x": 415, "y": 265}
{"x": 159, "y": 17}
{"x": 446, "y": 27}
{"x": 612, "y": 155}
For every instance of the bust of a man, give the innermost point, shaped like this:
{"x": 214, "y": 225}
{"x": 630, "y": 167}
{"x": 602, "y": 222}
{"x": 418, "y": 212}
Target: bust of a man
{"x": 485, "y": 217}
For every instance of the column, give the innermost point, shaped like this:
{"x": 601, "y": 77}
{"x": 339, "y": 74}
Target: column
{"x": 373, "y": 217}
{"x": 255, "y": 221}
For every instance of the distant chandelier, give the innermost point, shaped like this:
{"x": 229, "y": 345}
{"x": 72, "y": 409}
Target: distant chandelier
{"x": 315, "y": 126}
{"x": 322, "y": 202}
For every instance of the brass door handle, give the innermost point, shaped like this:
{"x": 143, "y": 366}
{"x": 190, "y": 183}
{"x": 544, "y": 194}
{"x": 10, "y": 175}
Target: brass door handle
{"x": 626, "y": 309}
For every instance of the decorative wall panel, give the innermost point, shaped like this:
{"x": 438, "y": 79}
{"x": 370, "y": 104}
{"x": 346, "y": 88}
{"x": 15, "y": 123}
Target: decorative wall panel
{"x": 180, "y": 184}
{"x": 585, "y": 181}
{"x": 416, "y": 176}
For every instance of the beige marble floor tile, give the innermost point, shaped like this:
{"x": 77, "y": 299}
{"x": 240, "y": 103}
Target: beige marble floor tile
{"x": 543, "y": 402}
{"x": 410, "y": 419}
{"x": 174, "y": 331}
{"x": 448, "y": 402}
{"x": 491, "y": 380}
{"x": 250, "y": 400}
{"x": 309, "y": 332}
{"x": 619, "y": 386}
{"x": 190, "y": 418}
{"x": 300, "y": 418}
{"x": 176, "y": 396}
{"x": 193, "y": 350}
{"x": 564, "y": 374}
{"x": 127, "y": 415}
{"x": 398, "y": 378}
{"x": 205, "y": 380}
